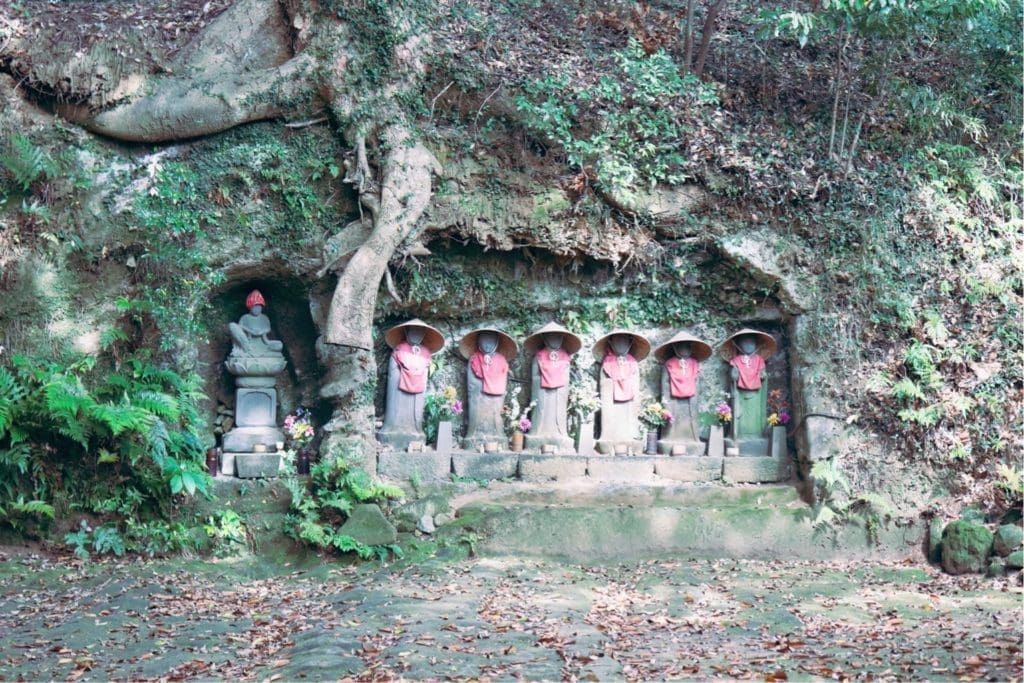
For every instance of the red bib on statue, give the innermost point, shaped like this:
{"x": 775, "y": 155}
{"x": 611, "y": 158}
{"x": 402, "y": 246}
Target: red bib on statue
{"x": 750, "y": 368}
{"x": 682, "y": 376}
{"x": 412, "y": 367}
{"x": 554, "y": 368}
{"x": 491, "y": 370}
{"x": 624, "y": 372}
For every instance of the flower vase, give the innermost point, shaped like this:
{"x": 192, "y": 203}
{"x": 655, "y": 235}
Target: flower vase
{"x": 212, "y": 461}
{"x": 445, "y": 439}
{"x": 517, "y": 441}
{"x": 302, "y": 460}
{"x": 651, "y": 447}
{"x": 716, "y": 441}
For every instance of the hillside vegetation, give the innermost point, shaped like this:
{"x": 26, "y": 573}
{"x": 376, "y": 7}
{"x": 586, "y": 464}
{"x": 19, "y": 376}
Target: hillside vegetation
{"x": 871, "y": 148}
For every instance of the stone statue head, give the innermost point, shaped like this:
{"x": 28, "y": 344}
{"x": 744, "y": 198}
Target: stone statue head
{"x": 414, "y": 334}
{"x": 747, "y": 344}
{"x": 620, "y": 344}
{"x": 553, "y": 340}
{"x": 487, "y": 342}
{"x": 682, "y": 349}
{"x": 257, "y": 309}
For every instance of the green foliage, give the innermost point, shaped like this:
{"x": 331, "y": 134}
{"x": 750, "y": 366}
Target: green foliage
{"x": 320, "y": 506}
{"x": 118, "y": 440}
{"x": 25, "y": 162}
{"x": 836, "y": 506}
{"x": 641, "y": 135}
{"x": 227, "y": 530}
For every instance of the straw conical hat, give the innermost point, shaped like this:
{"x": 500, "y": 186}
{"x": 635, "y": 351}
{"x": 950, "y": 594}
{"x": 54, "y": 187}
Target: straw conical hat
{"x": 700, "y": 349}
{"x": 433, "y": 340}
{"x": 640, "y": 348}
{"x": 766, "y": 345}
{"x": 506, "y": 345}
{"x": 571, "y": 343}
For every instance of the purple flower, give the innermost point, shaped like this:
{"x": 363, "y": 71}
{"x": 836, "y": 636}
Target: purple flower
{"x": 784, "y": 417}
{"x": 457, "y": 407}
{"x": 525, "y": 424}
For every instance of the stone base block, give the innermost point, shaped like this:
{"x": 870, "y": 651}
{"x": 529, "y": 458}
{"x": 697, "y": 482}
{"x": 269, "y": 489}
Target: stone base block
{"x": 475, "y": 443}
{"x": 485, "y": 465}
{"x": 689, "y": 447}
{"x": 424, "y": 467}
{"x": 608, "y": 447}
{"x": 400, "y": 440}
{"x": 257, "y": 465}
{"x": 242, "y": 439}
{"x": 618, "y": 468}
{"x": 754, "y": 448}
{"x": 551, "y": 467}
{"x": 689, "y": 468}
{"x": 756, "y": 470}
{"x": 562, "y": 446}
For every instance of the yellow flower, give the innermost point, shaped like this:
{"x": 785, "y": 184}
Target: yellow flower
{"x": 450, "y": 393}
{"x": 774, "y": 420}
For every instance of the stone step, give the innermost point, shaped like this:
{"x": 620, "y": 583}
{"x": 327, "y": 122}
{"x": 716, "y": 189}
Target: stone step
{"x": 439, "y": 467}
{"x": 617, "y": 522}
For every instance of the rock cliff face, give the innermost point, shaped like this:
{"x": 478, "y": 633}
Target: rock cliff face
{"x": 511, "y": 165}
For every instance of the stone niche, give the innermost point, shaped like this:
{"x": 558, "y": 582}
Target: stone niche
{"x": 490, "y": 288}
{"x": 288, "y": 307}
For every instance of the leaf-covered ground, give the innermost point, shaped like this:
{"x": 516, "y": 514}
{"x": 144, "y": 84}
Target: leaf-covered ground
{"x": 503, "y": 619}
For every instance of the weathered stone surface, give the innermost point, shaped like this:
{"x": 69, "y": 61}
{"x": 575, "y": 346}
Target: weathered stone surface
{"x": 689, "y": 468}
{"x": 368, "y": 525}
{"x": 426, "y": 524}
{"x": 415, "y": 467}
{"x": 1015, "y": 560}
{"x": 965, "y": 547}
{"x": 257, "y": 465}
{"x": 935, "y": 528}
{"x": 242, "y": 439}
{"x": 551, "y": 467}
{"x": 755, "y": 469}
{"x": 621, "y": 468}
{"x": 442, "y": 518}
{"x": 1008, "y": 538}
{"x": 485, "y": 465}
{"x": 407, "y": 516}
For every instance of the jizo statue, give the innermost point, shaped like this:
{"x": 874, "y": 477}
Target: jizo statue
{"x": 681, "y": 357}
{"x": 619, "y": 352}
{"x": 488, "y": 352}
{"x": 412, "y": 345}
{"x": 552, "y": 347}
{"x": 746, "y": 352}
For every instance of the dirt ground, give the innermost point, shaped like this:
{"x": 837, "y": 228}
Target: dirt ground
{"x": 503, "y": 619}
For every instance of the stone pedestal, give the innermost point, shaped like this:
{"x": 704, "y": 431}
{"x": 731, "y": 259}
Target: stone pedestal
{"x": 563, "y": 446}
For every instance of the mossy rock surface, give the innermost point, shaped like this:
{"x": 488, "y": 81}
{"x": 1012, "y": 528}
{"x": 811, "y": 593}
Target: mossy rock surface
{"x": 935, "y": 528}
{"x": 1015, "y": 560}
{"x": 1009, "y": 537}
{"x": 965, "y": 547}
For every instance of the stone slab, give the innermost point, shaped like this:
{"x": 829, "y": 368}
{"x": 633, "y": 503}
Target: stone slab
{"x": 242, "y": 439}
{"x": 424, "y": 467}
{"x": 691, "y": 447}
{"x": 608, "y": 447}
{"x": 755, "y": 470}
{"x": 257, "y": 465}
{"x": 621, "y": 468}
{"x": 551, "y": 467}
{"x": 754, "y": 448}
{"x": 562, "y": 446}
{"x": 689, "y": 468}
{"x": 486, "y": 465}
{"x": 444, "y": 437}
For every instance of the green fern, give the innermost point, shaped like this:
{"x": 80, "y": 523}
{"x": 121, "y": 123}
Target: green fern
{"x": 25, "y": 162}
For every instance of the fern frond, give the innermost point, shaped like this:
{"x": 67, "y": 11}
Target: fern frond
{"x": 11, "y": 392}
{"x": 31, "y": 507}
{"x": 158, "y": 403}
{"x": 119, "y": 417}
{"x": 25, "y": 162}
